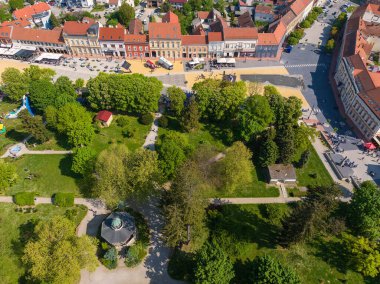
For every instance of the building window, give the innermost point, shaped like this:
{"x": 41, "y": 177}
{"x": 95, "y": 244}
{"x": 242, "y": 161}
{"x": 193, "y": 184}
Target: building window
{"x": 135, "y": 48}
{"x": 140, "y": 48}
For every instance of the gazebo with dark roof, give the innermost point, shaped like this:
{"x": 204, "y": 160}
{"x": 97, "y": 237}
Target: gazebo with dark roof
{"x": 118, "y": 229}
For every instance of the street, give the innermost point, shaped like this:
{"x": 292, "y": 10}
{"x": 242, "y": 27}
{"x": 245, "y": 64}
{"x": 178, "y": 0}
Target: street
{"x": 306, "y": 59}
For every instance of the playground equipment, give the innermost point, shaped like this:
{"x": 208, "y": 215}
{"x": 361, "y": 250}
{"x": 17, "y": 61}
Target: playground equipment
{"x": 2, "y": 128}
{"x": 25, "y": 105}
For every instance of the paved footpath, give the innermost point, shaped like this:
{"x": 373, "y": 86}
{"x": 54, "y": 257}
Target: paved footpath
{"x": 25, "y": 151}
{"x": 152, "y": 136}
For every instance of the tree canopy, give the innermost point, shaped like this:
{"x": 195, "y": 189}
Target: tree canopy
{"x": 177, "y": 99}
{"x": 56, "y": 254}
{"x": 8, "y": 175}
{"x": 365, "y": 210}
{"x": 125, "y": 14}
{"x": 14, "y": 83}
{"x": 213, "y": 265}
{"x": 132, "y": 93}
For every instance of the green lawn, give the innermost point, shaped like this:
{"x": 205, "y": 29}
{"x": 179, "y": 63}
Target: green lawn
{"x": 15, "y": 132}
{"x": 249, "y": 234}
{"x": 10, "y": 242}
{"x": 50, "y": 174}
{"x": 295, "y": 192}
{"x": 114, "y": 134}
{"x": 257, "y": 188}
{"x": 313, "y": 166}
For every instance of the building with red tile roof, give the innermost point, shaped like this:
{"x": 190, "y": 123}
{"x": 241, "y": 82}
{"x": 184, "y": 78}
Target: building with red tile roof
{"x": 264, "y": 13}
{"x": 23, "y": 23}
{"x": 357, "y": 78}
{"x": 5, "y": 36}
{"x": 194, "y": 46}
{"x": 215, "y": 44}
{"x": 37, "y": 14}
{"x": 105, "y": 117}
{"x": 82, "y": 38}
{"x": 165, "y": 40}
{"x": 136, "y": 46}
{"x": 136, "y": 27}
{"x": 111, "y": 41}
{"x": 170, "y": 17}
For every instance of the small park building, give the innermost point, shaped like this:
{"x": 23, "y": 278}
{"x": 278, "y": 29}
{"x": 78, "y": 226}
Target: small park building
{"x": 119, "y": 229}
{"x": 104, "y": 117}
{"x": 282, "y": 173}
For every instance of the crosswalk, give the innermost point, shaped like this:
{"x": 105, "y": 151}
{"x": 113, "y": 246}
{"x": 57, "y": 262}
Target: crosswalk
{"x": 305, "y": 65}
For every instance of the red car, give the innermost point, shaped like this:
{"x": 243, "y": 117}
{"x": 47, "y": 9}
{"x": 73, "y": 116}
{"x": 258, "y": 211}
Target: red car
{"x": 150, "y": 64}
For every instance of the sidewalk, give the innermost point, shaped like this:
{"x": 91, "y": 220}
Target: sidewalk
{"x": 25, "y": 151}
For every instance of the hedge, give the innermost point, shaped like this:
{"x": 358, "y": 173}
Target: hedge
{"x": 64, "y": 199}
{"x": 24, "y": 198}
{"x": 146, "y": 119}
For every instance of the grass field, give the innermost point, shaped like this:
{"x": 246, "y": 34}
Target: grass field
{"x": 49, "y": 174}
{"x": 313, "y": 166}
{"x": 248, "y": 234}
{"x": 10, "y": 242}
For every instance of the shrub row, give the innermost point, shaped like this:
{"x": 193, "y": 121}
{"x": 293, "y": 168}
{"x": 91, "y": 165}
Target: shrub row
{"x": 24, "y": 198}
{"x": 64, "y": 199}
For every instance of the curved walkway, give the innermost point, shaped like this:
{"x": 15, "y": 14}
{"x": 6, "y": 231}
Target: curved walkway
{"x": 25, "y": 151}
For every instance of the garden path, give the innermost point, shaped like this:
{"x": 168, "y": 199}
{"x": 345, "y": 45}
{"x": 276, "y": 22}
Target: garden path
{"x": 25, "y": 151}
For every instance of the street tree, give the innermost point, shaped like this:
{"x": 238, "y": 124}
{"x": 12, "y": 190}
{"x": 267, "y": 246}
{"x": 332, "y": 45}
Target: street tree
{"x": 8, "y": 175}
{"x": 365, "y": 210}
{"x": 14, "y": 84}
{"x": 177, "y": 99}
{"x": 254, "y": 117}
{"x": 34, "y": 73}
{"x": 56, "y": 254}
{"x": 213, "y": 265}
{"x": 65, "y": 86}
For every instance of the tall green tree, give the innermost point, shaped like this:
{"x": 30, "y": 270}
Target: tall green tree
{"x": 4, "y": 14}
{"x": 65, "y": 86}
{"x": 365, "y": 210}
{"x": 56, "y": 254}
{"x": 125, "y": 14}
{"x": 254, "y": 117}
{"x": 177, "y": 99}
{"x": 219, "y": 100}
{"x": 34, "y": 72}
{"x": 269, "y": 270}
{"x": 14, "y": 84}
{"x": 285, "y": 142}
{"x": 8, "y": 175}
{"x": 42, "y": 94}
{"x": 235, "y": 169}
{"x": 119, "y": 174}
{"x": 172, "y": 151}
{"x": 83, "y": 160}
{"x": 312, "y": 217}
{"x": 35, "y": 127}
{"x": 53, "y": 21}
{"x": 185, "y": 208}
{"x": 268, "y": 153}
{"x": 213, "y": 265}
{"x": 363, "y": 254}
{"x": 190, "y": 116}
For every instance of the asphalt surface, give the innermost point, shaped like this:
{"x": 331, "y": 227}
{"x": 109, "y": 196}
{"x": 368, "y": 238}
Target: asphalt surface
{"x": 279, "y": 80}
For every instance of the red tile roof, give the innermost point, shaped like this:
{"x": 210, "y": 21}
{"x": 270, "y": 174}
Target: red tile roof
{"x": 5, "y": 32}
{"x": 104, "y": 115}
{"x": 111, "y": 34}
{"x": 29, "y": 11}
{"x": 214, "y": 36}
{"x": 46, "y": 36}
{"x": 113, "y": 2}
{"x": 170, "y": 17}
{"x": 263, "y": 9}
{"x": 203, "y": 15}
{"x": 194, "y": 40}
{"x": 374, "y": 9}
{"x": 279, "y": 31}
{"x": 164, "y": 31}
{"x": 17, "y": 23}
{"x": 135, "y": 26}
{"x": 299, "y": 6}
{"x": 75, "y": 28}
{"x": 131, "y": 38}
{"x": 267, "y": 39}
{"x": 239, "y": 33}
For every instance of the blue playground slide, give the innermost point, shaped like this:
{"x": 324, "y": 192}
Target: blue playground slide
{"x": 27, "y": 105}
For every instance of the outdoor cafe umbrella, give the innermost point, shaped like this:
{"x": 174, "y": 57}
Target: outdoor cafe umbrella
{"x": 369, "y": 146}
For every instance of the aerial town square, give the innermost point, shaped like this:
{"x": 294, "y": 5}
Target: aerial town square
{"x": 189, "y": 141}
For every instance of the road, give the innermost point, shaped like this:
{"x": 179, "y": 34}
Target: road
{"x": 307, "y": 60}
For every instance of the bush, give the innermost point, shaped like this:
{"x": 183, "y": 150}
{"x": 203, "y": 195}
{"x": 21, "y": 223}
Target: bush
{"x": 64, "y": 199}
{"x": 109, "y": 259}
{"x": 163, "y": 121}
{"x": 24, "y": 198}
{"x": 129, "y": 133}
{"x": 330, "y": 45}
{"x": 146, "y": 119}
{"x": 122, "y": 121}
{"x": 135, "y": 254}
{"x": 71, "y": 214}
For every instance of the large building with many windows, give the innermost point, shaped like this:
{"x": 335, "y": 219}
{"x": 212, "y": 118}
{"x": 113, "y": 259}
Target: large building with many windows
{"x": 357, "y": 74}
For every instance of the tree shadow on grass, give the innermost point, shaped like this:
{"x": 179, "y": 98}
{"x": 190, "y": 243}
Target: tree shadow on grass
{"x": 15, "y": 135}
{"x": 243, "y": 270}
{"x": 245, "y": 226}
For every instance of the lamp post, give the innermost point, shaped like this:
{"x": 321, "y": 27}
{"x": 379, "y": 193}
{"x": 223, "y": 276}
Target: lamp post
{"x": 313, "y": 109}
